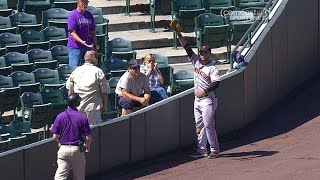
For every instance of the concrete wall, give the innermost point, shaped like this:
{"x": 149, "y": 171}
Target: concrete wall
{"x": 285, "y": 55}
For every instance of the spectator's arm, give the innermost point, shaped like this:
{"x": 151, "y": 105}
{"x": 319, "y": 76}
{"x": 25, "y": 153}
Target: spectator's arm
{"x": 88, "y": 141}
{"x": 127, "y": 94}
{"x": 160, "y": 77}
{"x": 104, "y": 97}
{"x": 77, "y": 38}
{"x": 94, "y": 39}
{"x": 57, "y": 139}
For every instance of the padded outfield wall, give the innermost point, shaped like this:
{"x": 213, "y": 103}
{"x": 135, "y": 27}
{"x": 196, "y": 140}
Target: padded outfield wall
{"x": 285, "y": 55}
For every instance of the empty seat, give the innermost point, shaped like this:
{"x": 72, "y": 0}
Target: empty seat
{"x": 56, "y": 36}
{"x": 36, "y": 7}
{"x": 60, "y": 53}
{"x": 122, "y": 49}
{"x": 42, "y": 58}
{"x": 12, "y": 42}
{"x": 26, "y": 81}
{"x": 34, "y": 39}
{"x": 18, "y": 61}
{"x": 46, "y": 76}
{"x": 5, "y": 25}
{"x": 65, "y": 71}
{"x": 182, "y": 80}
{"x": 4, "y": 10}
{"x": 24, "y": 21}
{"x": 55, "y": 14}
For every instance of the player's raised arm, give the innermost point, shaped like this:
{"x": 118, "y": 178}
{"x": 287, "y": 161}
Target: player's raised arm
{"x": 175, "y": 25}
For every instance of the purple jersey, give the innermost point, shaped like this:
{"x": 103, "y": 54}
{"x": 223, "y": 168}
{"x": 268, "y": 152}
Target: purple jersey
{"x": 71, "y": 133}
{"x": 82, "y": 24}
{"x": 204, "y": 75}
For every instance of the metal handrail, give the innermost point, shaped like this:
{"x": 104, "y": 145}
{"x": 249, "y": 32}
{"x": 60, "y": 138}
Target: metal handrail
{"x": 247, "y": 37}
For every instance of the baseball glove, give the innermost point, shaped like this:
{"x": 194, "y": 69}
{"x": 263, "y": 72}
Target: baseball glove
{"x": 176, "y": 26}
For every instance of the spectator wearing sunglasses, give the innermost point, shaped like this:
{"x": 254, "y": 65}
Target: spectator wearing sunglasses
{"x": 133, "y": 89}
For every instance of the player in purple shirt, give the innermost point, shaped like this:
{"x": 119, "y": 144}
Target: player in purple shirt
{"x": 81, "y": 33}
{"x": 206, "y": 80}
{"x": 69, "y": 130}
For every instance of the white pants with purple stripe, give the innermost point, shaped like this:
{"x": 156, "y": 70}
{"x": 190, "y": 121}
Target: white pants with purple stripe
{"x": 204, "y": 113}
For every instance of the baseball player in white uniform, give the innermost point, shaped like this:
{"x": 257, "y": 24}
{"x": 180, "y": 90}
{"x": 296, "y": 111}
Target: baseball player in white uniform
{"x": 206, "y": 80}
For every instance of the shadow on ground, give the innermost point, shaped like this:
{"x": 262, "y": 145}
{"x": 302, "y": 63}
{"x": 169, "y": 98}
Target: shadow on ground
{"x": 299, "y": 107}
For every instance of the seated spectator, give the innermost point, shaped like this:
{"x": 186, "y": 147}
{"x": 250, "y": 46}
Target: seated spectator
{"x": 150, "y": 69}
{"x": 133, "y": 89}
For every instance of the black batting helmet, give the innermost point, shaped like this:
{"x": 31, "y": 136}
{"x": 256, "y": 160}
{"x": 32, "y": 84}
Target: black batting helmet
{"x": 73, "y": 100}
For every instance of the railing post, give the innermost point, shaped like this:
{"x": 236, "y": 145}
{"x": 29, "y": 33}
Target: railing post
{"x": 127, "y": 8}
{"x": 153, "y": 15}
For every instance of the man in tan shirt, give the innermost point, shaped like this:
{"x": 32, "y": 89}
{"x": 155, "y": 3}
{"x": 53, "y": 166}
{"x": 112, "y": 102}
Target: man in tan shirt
{"x": 90, "y": 83}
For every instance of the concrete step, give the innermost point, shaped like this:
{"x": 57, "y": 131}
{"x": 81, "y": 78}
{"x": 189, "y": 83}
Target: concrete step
{"x": 119, "y": 6}
{"x": 144, "y": 39}
{"x": 137, "y": 20}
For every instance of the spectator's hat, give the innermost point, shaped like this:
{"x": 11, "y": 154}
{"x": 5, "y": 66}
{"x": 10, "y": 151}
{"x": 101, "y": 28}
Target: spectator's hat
{"x": 133, "y": 63}
{"x": 205, "y": 48}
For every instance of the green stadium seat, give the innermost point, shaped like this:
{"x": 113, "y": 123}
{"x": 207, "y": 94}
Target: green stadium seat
{"x": 32, "y": 137}
{"x": 47, "y": 76}
{"x": 60, "y": 53}
{"x": 17, "y": 127}
{"x": 6, "y": 136}
{"x": 56, "y": 98}
{"x": 4, "y": 10}
{"x": 6, "y": 82}
{"x": 122, "y": 49}
{"x": 114, "y": 64}
{"x": 182, "y": 80}
{"x": 16, "y": 142}
{"x": 5, "y": 25}
{"x": 24, "y": 21}
{"x": 26, "y": 82}
{"x": 212, "y": 30}
{"x": 4, "y": 145}
{"x": 10, "y": 98}
{"x": 250, "y": 3}
{"x": 215, "y": 6}
{"x": 113, "y": 110}
{"x": 186, "y": 11}
{"x": 36, "y": 7}
{"x": 66, "y": 4}
{"x": 56, "y": 36}
{"x": 4, "y": 129}
{"x": 56, "y": 15}
{"x": 12, "y": 42}
{"x": 18, "y": 61}
{"x": 65, "y": 71}
{"x": 2, "y": 62}
{"x": 42, "y": 58}
{"x": 34, "y": 110}
{"x": 34, "y": 39}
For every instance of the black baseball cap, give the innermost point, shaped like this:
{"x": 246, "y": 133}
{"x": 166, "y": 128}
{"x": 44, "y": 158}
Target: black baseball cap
{"x": 133, "y": 63}
{"x": 205, "y": 48}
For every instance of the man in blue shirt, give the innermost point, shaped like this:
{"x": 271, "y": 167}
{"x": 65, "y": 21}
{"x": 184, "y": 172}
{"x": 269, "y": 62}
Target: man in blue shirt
{"x": 69, "y": 130}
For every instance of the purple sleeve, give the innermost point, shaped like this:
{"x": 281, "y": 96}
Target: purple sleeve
{"x": 86, "y": 128}
{"x": 72, "y": 22}
{"x": 55, "y": 129}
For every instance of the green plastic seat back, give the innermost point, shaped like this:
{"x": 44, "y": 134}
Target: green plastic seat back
{"x": 239, "y": 29}
{"x": 39, "y": 55}
{"x": 3, "y": 4}
{"x": 65, "y": 71}
{"x": 10, "y": 39}
{"x": 54, "y": 14}
{"x": 21, "y": 77}
{"x": 11, "y": 98}
{"x": 54, "y": 33}
{"x": 22, "y": 18}
{"x": 54, "y": 96}
{"x": 32, "y": 137}
{"x": 2, "y": 62}
{"x": 16, "y": 142}
{"x": 4, "y": 129}
{"x": 29, "y": 99}
{"x": 121, "y": 45}
{"x": 16, "y": 58}
{"x": 183, "y": 80}
{"x": 209, "y": 19}
{"x": 161, "y": 60}
{"x": 60, "y": 53}
{"x": 5, "y": 22}
{"x": 97, "y": 14}
{"x": 32, "y": 36}
{"x": 216, "y": 36}
{"x": 5, "y": 82}
{"x": 46, "y": 76}
{"x": 18, "y": 127}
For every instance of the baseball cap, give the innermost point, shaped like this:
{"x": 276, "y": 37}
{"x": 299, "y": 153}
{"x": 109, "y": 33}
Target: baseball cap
{"x": 133, "y": 63}
{"x": 205, "y": 48}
